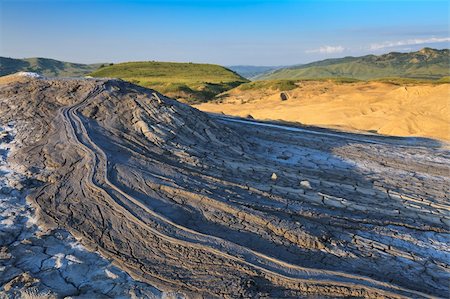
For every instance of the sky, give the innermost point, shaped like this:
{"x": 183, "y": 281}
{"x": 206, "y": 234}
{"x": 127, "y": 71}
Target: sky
{"x": 252, "y": 32}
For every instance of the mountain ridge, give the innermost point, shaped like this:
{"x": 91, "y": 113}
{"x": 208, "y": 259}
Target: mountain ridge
{"x": 45, "y": 66}
{"x": 426, "y": 63}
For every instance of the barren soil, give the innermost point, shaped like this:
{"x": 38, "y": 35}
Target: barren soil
{"x": 398, "y": 110}
{"x": 210, "y": 206}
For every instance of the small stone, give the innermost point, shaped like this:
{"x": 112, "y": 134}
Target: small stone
{"x": 305, "y": 184}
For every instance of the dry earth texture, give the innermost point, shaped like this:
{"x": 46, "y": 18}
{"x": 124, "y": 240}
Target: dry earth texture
{"x": 390, "y": 109}
{"x": 215, "y": 207}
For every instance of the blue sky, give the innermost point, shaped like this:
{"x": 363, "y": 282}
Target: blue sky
{"x": 253, "y": 32}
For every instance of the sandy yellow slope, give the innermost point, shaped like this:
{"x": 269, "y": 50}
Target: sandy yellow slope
{"x": 409, "y": 110}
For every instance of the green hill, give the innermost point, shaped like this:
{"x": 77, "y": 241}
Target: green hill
{"x": 45, "y": 66}
{"x": 191, "y": 82}
{"x": 424, "y": 64}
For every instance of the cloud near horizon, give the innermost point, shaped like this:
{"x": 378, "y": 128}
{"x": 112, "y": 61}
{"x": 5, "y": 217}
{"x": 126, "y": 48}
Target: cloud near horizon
{"x": 408, "y": 42}
{"x": 327, "y": 50}
{"x": 381, "y": 45}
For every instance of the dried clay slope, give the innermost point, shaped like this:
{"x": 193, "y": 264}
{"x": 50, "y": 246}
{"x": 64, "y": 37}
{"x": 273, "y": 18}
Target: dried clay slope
{"x": 214, "y": 208}
{"x": 409, "y": 110}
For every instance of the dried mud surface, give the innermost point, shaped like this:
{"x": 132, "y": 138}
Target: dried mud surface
{"x": 215, "y": 207}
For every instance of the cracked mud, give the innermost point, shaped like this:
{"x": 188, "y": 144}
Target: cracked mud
{"x": 209, "y": 206}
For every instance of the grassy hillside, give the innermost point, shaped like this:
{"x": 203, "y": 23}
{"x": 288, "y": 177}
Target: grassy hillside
{"x": 191, "y": 82}
{"x": 424, "y": 64}
{"x": 45, "y": 66}
{"x": 281, "y": 85}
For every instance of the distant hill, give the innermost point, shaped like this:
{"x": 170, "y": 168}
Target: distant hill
{"x": 45, "y": 66}
{"x": 424, "y": 64}
{"x": 251, "y": 71}
{"x": 191, "y": 82}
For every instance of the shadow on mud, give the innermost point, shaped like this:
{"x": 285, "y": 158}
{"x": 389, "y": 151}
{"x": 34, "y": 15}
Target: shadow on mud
{"x": 328, "y": 232}
{"x": 374, "y": 137}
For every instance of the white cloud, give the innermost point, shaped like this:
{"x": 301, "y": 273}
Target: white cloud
{"x": 403, "y": 45}
{"x": 408, "y": 42}
{"x": 327, "y": 50}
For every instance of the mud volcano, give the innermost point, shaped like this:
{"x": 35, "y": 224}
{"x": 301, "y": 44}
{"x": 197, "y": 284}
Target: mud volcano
{"x": 187, "y": 202}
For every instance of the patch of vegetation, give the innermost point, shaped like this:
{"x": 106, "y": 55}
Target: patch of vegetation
{"x": 404, "y": 81}
{"x": 334, "y": 80}
{"x": 46, "y": 67}
{"x": 445, "y": 79}
{"x": 192, "y": 82}
{"x": 281, "y": 85}
{"x": 286, "y": 85}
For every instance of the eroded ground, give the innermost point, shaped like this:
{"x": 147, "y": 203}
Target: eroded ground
{"x": 50, "y": 263}
{"x": 389, "y": 109}
{"x": 214, "y": 207}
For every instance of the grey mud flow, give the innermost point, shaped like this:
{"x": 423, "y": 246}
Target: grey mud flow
{"x": 207, "y": 207}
